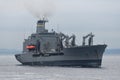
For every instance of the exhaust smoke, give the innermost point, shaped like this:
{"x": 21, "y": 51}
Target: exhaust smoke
{"x": 40, "y": 8}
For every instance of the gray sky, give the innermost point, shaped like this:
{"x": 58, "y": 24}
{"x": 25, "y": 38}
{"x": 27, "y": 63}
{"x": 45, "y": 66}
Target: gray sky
{"x": 102, "y": 17}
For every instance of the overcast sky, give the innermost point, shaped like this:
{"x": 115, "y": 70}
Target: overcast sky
{"x": 79, "y": 17}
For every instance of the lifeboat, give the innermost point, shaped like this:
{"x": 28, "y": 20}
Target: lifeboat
{"x": 30, "y": 47}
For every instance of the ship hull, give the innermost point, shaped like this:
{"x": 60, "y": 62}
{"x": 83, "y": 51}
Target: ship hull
{"x": 82, "y": 63}
{"x": 85, "y": 56}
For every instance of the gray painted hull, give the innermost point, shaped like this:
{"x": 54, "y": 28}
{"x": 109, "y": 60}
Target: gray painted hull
{"x": 90, "y": 56}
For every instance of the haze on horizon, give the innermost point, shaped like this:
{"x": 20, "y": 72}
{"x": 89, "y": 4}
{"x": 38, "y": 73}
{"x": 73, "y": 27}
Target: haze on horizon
{"x": 79, "y": 17}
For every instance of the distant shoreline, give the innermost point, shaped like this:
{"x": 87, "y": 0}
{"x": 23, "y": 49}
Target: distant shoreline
{"x": 112, "y": 51}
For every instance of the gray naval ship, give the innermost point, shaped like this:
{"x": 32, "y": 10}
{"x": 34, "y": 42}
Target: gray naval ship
{"x": 57, "y": 49}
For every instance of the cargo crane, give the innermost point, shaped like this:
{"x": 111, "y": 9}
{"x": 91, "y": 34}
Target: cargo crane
{"x": 67, "y": 39}
{"x": 72, "y": 40}
{"x": 90, "y": 40}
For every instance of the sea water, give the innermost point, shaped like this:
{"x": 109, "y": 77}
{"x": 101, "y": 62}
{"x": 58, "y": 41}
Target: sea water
{"x": 10, "y": 69}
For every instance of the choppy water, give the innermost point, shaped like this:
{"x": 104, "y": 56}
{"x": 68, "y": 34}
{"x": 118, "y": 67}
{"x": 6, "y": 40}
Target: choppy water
{"x": 10, "y": 69}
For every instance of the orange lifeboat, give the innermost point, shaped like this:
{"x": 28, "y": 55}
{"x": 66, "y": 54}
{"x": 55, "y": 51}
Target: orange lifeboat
{"x": 30, "y": 47}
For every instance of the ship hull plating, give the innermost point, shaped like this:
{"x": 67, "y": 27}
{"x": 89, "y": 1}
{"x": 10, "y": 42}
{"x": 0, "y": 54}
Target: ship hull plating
{"x": 86, "y": 56}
